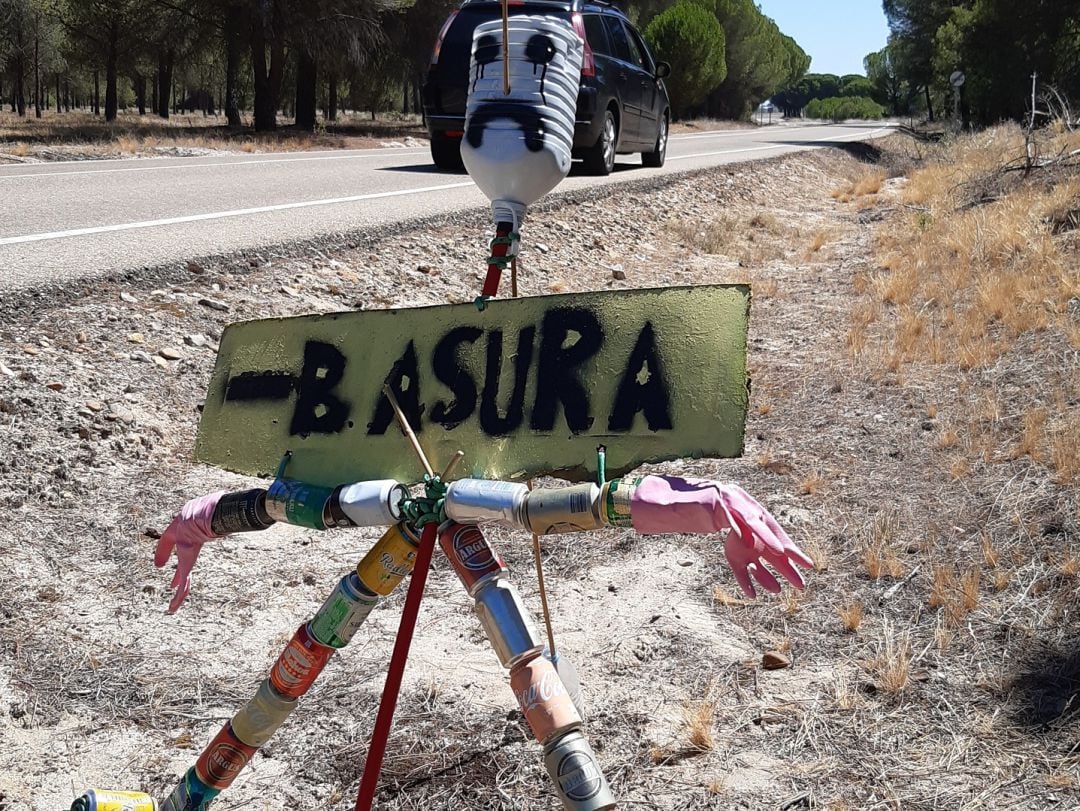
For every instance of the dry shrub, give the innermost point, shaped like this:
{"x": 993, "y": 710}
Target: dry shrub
{"x": 698, "y": 719}
{"x": 851, "y": 616}
{"x": 891, "y": 666}
{"x": 812, "y": 484}
{"x": 869, "y": 184}
{"x": 817, "y": 242}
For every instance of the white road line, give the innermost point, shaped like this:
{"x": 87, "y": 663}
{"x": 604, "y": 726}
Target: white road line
{"x": 217, "y": 215}
{"x": 261, "y": 162}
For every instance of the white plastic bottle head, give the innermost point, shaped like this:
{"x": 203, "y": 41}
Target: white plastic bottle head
{"x": 517, "y": 145}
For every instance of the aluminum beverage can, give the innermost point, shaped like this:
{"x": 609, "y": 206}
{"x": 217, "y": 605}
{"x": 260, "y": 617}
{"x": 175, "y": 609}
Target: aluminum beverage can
{"x": 343, "y": 613}
{"x": 299, "y": 503}
{"x": 479, "y": 501}
{"x": 97, "y": 799}
{"x": 566, "y": 509}
{"x": 570, "y": 679}
{"x": 190, "y": 794}
{"x": 367, "y": 504}
{"x": 507, "y": 622}
{"x": 389, "y": 560}
{"x": 574, "y": 770}
{"x": 616, "y": 501}
{"x": 241, "y": 512}
{"x": 473, "y": 558}
{"x": 543, "y": 699}
{"x": 261, "y": 717}
{"x": 299, "y": 664}
{"x": 223, "y": 759}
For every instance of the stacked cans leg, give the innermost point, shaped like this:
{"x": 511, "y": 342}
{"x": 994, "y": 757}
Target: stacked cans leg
{"x": 548, "y": 708}
{"x": 333, "y": 626}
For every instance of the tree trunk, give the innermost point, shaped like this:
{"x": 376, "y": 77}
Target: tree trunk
{"x": 164, "y": 82}
{"x": 929, "y": 102}
{"x": 110, "y": 73}
{"x": 234, "y": 43}
{"x": 19, "y": 99}
{"x": 306, "y": 85}
{"x": 331, "y": 98}
{"x": 405, "y": 97}
{"x": 58, "y": 96}
{"x": 97, "y": 94}
{"x": 37, "y": 77}
{"x": 267, "y": 77}
{"x": 140, "y": 92}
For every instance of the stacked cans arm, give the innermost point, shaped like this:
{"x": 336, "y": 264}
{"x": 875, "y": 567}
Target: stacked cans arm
{"x": 550, "y": 710}
{"x": 311, "y": 647}
{"x": 649, "y": 504}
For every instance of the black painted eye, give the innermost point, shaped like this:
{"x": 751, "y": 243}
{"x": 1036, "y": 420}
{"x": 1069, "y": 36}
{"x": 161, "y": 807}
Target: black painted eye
{"x": 487, "y": 49}
{"x": 540, "y": 49}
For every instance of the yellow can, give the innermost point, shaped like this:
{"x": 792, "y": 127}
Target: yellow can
{"x": 390, "y": 559}
{"x": 97, "y": 799}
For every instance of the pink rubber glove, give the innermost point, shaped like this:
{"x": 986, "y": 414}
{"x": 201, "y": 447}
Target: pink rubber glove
{"x": 662, "y": 504}
{"x": 186, "y": 534}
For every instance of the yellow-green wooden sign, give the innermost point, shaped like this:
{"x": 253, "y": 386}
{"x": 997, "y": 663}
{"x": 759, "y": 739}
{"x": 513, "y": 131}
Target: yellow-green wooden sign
{"x": 527, "y": 387}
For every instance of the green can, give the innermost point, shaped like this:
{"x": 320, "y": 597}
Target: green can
{"x": 343, "y": 613}
{"x": 299, "y": 503}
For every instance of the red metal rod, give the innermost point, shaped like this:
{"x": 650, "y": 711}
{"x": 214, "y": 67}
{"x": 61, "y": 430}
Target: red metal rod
{"x": 494, "y": 273}
{"x": 388, "y": 703}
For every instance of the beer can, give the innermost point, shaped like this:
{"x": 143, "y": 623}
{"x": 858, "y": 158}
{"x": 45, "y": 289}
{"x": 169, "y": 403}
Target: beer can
{"x": 543, "y": 699}
{"x": 241, "y": 512}
{"x": 343, "y": 613}
{"x": 299, "y": 503}
{"x": 565, "y": 509}
{"x": 97, "y": 799}
{"x": 480, "y": 501}
{"x": 616, "y": 501}
{"x": 507, "y": 622}
{"x": 367, "y": 504}
{"x": 469, "y": 552}
{"x": 576, "y": 773}
{"x": 389, "y": 560}
{"x": 299, "y": 664}
{"x": 190, "y": 794}
{"x": 261, "y": 717}
{"x": 223, "y": 759}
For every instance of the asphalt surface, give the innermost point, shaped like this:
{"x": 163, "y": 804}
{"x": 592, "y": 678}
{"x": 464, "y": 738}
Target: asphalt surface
{"x": 73, "y": 220}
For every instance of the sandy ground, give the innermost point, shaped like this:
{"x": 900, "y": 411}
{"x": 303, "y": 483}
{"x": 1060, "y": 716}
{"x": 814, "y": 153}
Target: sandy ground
{"x": 100, "y": 687}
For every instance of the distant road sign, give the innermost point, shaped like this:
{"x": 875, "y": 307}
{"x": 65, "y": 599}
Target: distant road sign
{"x": 957, "y": 78}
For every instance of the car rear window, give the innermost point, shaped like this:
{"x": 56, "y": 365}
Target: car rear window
{"x": 596, "y": 34}
{"x": 457, "y": 45}
{"x": 620, "y": 44}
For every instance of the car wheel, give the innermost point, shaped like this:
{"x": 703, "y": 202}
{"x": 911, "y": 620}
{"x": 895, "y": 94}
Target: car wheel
{"x": 600, "y": 158}
{"x": 655, "y": 159}
{"x": 446, "y": 153}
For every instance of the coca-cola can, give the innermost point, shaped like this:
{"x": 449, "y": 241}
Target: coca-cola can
{"x": 469, "y": 552}
{"x": 223, "y": 759}
{"x": 389, "y": 560}
{"x": 480, "y": 501}
{"x": 565, "y": 509}
{"x": 343, "y": 613}
{"x": 576, "y": 773}
{"x": 507, "y": 622}
{"x": 543, "y": 699}
{"x": 261, "y": 717}
{"x": 366, "y": 504}
{"x": 299, "y": 664}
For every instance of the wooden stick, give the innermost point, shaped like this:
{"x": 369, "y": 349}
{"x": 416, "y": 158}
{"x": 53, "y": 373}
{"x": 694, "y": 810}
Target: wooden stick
{"x": 543, "y": 590}
{"x": 407, "y": 430}
{"x": 450, "y": 467}
{"x": 513, "y": 276}
{"x": 506, "y": 46}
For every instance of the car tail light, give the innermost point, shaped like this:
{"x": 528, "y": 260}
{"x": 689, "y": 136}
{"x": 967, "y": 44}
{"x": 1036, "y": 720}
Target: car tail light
{"x": 588, "y": 65}
{"x": 442, "y": 34}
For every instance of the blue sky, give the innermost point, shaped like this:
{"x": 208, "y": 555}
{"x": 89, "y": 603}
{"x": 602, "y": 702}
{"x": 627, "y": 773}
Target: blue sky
{"x": 836, "y": 33}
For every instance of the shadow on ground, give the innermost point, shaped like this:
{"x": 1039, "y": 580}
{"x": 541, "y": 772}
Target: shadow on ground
{"x": 862, "y": 151}
{"x": 1046, "y": 690}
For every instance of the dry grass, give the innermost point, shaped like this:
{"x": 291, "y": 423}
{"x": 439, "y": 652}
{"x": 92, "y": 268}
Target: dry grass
{"x": 851, "y": 616}
{"x": 891, "y": 666}
{"x": 699, "y": 718}
{"x": 82, "y": 135}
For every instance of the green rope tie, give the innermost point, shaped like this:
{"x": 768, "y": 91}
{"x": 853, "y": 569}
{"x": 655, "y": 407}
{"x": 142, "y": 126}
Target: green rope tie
{"x": 428, "y": 508}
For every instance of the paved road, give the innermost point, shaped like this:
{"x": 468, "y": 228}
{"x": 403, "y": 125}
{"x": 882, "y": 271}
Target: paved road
{"x": 80, "y": 219}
